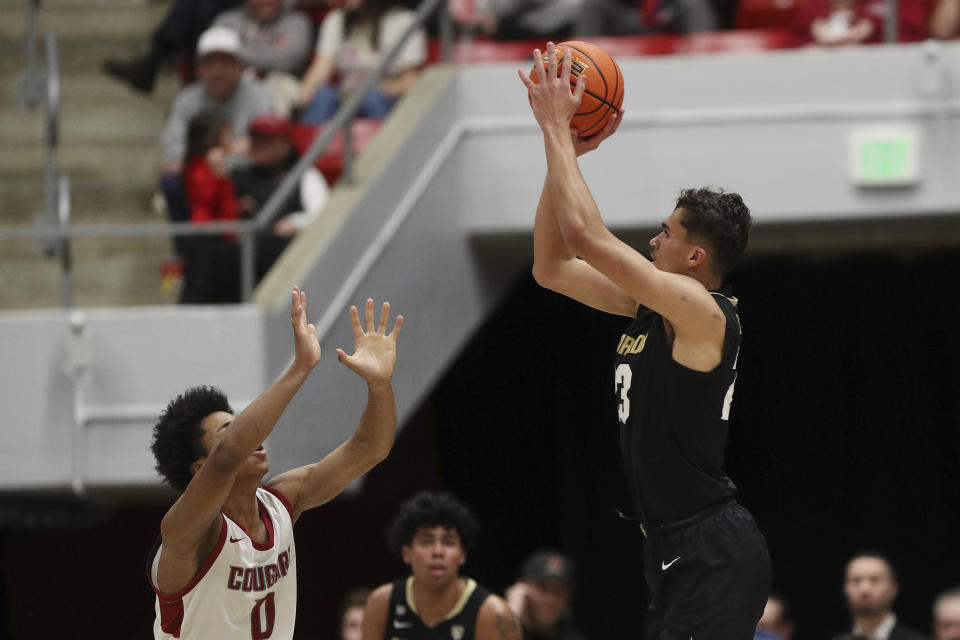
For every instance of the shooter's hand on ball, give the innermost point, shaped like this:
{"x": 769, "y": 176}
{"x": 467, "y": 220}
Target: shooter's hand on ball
{"x": 583, "y": 145}
{"x": 375, "y": 352}
{"x": 553, "y": 102}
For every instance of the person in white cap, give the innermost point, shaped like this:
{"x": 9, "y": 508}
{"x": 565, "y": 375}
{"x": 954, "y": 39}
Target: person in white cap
{"x": 221, "y": 86}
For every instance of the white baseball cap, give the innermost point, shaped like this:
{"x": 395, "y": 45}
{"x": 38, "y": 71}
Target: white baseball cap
{"x": 219, "y": 40}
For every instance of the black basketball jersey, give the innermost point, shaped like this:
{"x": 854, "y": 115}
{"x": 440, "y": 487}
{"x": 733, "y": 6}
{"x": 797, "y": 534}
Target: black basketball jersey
{"x": 673, "y": 420}
{"x": 404, "y": 623}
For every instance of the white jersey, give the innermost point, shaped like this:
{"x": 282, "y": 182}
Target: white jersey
{"x": 245, "y": 589}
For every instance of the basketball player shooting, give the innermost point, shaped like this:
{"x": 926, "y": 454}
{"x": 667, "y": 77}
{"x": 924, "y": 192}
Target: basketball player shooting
{"x": 705, "y": 561}
{"x": 225, "y": 563}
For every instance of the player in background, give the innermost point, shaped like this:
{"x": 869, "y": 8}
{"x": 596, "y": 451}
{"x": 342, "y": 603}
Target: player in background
{"x": 432, "y": 533}
{"x": 706, "y": 563}
{"x": 225, "y": 563}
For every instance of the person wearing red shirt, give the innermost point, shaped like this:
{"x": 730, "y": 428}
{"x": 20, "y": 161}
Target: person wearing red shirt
{"x": 212, "y": 269}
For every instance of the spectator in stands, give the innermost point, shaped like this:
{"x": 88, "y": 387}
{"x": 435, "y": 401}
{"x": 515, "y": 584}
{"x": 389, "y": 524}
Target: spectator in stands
{"x": 221, "y": 86}
{"x": 830, "y": 23}
{"x": 776, "y": 623}
{"x": 610, "y": 18}
{"x": 211, "y": 261}
{"x": 870, "y": 586}
{"x": 272, "y": 156}
{"x": 274, "y": 42}
{"x": 178, "y": 32}
{"x": 945, "y": 21}
{"x": 351, "y": 614}
{"x": 541, "y": 597}
{"x": 946, "y": 615}
{"x": 352, "y": 41}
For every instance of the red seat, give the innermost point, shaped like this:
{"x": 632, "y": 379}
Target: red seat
{"x": 483, "y": 50}
{"x": 767, "y": 14}
{"x": 330, "y": 162}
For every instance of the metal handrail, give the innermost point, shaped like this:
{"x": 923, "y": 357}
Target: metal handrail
{"x": 52, "y": 135}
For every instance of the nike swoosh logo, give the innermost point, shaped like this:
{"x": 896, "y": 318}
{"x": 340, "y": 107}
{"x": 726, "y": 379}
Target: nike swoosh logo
{"x": 666, "y": 565}
{"x": 401, "y": 625}
{"x": 232, "y": 539}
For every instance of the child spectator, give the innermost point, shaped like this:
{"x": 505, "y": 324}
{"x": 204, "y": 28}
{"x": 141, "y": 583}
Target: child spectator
{"x": 223, "y": 87}
{"x": 352, "y": 41}
{"x": 211, "y": 261}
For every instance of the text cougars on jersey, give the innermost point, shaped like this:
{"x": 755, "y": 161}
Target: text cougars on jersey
{"x": 259, "y": 578}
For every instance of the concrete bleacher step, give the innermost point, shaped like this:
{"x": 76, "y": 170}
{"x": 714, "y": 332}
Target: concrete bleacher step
{"x": 109, "y": 147}
{"x": 106, "y": 272}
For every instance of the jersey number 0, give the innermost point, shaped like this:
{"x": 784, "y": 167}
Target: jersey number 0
{"x": 260, "y": 620}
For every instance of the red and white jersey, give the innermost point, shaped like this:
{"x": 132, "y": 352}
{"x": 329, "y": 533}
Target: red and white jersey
{"x": 245, "y": 589}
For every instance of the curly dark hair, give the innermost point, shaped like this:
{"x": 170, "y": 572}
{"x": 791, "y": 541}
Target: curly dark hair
{"x": 177, "y": 436}
{"x": 432, "y": 510}
{"x": 721, "y": 220}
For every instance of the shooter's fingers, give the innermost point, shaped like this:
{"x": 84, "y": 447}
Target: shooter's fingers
{"x": 552, "y": 59}
{"x": 565, "y": 67}
{"x": 538, "y": 65}
{"x": 580, "y": 88}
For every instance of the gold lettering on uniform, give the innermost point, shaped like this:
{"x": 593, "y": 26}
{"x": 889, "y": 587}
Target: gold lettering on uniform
{"x": 629, "y": 344}
{"x": 620, "y": 344}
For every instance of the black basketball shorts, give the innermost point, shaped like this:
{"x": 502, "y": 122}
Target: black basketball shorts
{"x": 708, "y": 580}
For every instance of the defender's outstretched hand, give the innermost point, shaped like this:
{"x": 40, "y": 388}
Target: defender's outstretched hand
{"x": 375, "y": 351}
{"x": 553, "y": 102}
{"x": 306, "y": 347}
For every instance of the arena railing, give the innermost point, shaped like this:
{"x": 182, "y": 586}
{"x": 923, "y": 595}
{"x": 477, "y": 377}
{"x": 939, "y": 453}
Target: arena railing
{"x": 53, "y": 232}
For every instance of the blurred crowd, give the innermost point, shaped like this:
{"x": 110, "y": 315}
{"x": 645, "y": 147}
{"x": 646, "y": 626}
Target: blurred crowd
{"x": 258, "y": 73}
{"x": 870, "y": 588}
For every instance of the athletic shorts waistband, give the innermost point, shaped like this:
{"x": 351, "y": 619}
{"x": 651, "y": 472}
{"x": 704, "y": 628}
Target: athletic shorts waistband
{"x": 667, "y": 527}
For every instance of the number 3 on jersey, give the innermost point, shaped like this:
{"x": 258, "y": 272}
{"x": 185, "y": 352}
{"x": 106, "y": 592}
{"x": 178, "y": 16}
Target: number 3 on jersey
{"x": 623, "y": 379}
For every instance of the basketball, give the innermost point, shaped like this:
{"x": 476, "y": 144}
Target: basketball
{"x": 604, "y": 92}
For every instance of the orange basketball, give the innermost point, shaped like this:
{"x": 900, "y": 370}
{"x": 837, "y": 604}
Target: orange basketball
{"x": 604, "y": 92}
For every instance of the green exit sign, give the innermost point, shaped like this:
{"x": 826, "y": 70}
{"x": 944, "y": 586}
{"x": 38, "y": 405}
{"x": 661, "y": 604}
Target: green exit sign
{"x": 886, "y": 156}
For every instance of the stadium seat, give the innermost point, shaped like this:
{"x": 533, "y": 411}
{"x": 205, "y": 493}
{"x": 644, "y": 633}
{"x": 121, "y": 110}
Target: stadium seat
{"x": 767, "y": 14}
{"x": 330, "y": 162}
